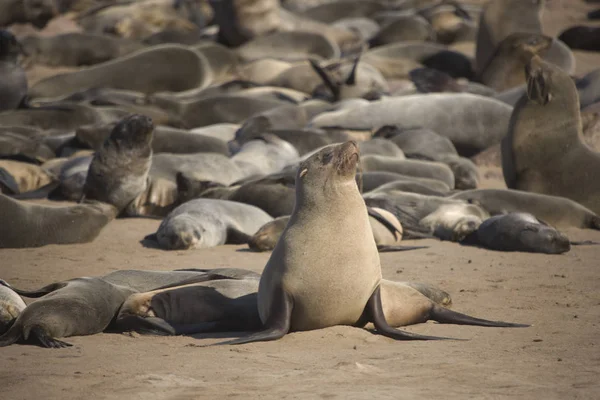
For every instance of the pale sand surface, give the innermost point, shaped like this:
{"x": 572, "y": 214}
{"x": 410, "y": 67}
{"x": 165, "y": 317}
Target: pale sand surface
{"x": 557, "y": 358}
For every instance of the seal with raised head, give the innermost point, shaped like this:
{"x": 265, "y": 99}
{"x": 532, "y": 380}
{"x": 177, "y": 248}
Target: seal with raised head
{"x": 34, "y": 225}
{"x": 119, "y": 170}
{"x": 13, "y": 81}
{"x": 308, "y": 283}
{"x": 543, "y": 151}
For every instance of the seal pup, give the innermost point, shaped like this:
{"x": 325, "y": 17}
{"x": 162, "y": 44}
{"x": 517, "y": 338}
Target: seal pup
{"x": 296, "y": 292}
{"x": 518, "y": 232}
{"x": 203, "y": 223}
{"x": 13, "y": 80}
{"x": 81, "y": 306}
{"x": 34, "y": 225}
{"x": 454, "y": 221}
{"x": 557, "y": 211}
{"x": 11, "y": 305}
{"x": 119, "y": 170}
{"x": 544, "y": 151}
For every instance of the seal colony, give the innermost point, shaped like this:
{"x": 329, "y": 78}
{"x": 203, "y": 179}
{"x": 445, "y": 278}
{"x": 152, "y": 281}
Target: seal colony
{"x": 325, "y": 132}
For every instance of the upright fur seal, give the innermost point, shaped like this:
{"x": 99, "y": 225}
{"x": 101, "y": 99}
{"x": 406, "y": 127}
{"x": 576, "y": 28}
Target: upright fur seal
{"x": 13, "y": 81}
{"x": 119, "y": 170}
{"x": 544, "y": 151}
{"x": 34, "y": 225}
{"x": 296, "y": 291}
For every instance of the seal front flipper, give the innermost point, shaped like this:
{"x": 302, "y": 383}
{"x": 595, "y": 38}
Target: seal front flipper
{"x": 235, "y": 236}
{"x": 446, "y": 316}
{"x": 48, "y": 341}
{"x": 388, "y": 249}
{"x": 277, "y": 324}
{"x": 374, "y": 312}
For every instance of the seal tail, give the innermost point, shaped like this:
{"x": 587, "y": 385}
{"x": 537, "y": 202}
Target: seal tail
{"x": 446, "y": 316}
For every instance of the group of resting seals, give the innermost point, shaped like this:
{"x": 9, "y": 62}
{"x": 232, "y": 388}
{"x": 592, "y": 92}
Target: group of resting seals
{"x": 305, "y": 285}
{"x": 250, "y": 144}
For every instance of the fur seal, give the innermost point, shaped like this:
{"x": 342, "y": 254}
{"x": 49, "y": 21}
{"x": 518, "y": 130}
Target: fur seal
{"x": 505, "y": 68}
{"x": 500, "y": 18}
{"x": 518, "y": 232}
{"x": 13, "y": 80}
{"x": 425, "y": 144}
{"x": 581, "y": 38}
{"x": 557, "y": 211}
{"x": 544, "y": 151}
{"x": 203, "y": 223}
{"x": 34, "y": 225}
{"x": 289, "y": 46}
{"x": 296, "y": 293}
{"x": 454, "y": 222}
{"x": 11, "y": 305}
{"x": 404, "y": 28}
{"x": 169, "y": 68}
{"x": 275, "y": 199}
{"x": 19, "y": 147}
{"x": 231, "y": 305}
{"x": 376, "y": 179}
{"x": 416, "y": 168}
{"x": 119, "y": 170}
{"x": 165, "y": 140}
{"x": 473, "y": 123}
{"x": 76, "y": 49}
{"x": 81, "y": 306}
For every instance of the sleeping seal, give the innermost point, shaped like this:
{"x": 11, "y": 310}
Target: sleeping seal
{"x": 518, "y": 232}
{"x": 34, "y": 225}
{"x": 203, "y": 223}
{"x": 11, "y": 305}
{"x": 325, "y": 269}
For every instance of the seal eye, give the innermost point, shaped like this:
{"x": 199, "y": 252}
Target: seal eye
{"x": 327, "y": 157}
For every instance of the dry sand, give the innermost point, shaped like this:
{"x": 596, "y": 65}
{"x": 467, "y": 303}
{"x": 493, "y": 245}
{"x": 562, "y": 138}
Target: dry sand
{"x": 557, "y": 358}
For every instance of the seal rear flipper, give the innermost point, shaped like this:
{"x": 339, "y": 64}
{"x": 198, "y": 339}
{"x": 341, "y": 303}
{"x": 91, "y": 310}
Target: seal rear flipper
{"x": 235, "y": 236}
{"x": 46, "y": 340}
{"x": 276, "y": 326}
{"x": 388, "y": 249}
{"x": 35, "y": 293}
{"x": 446, "y": 316}
{"x": 374, "y": 311}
